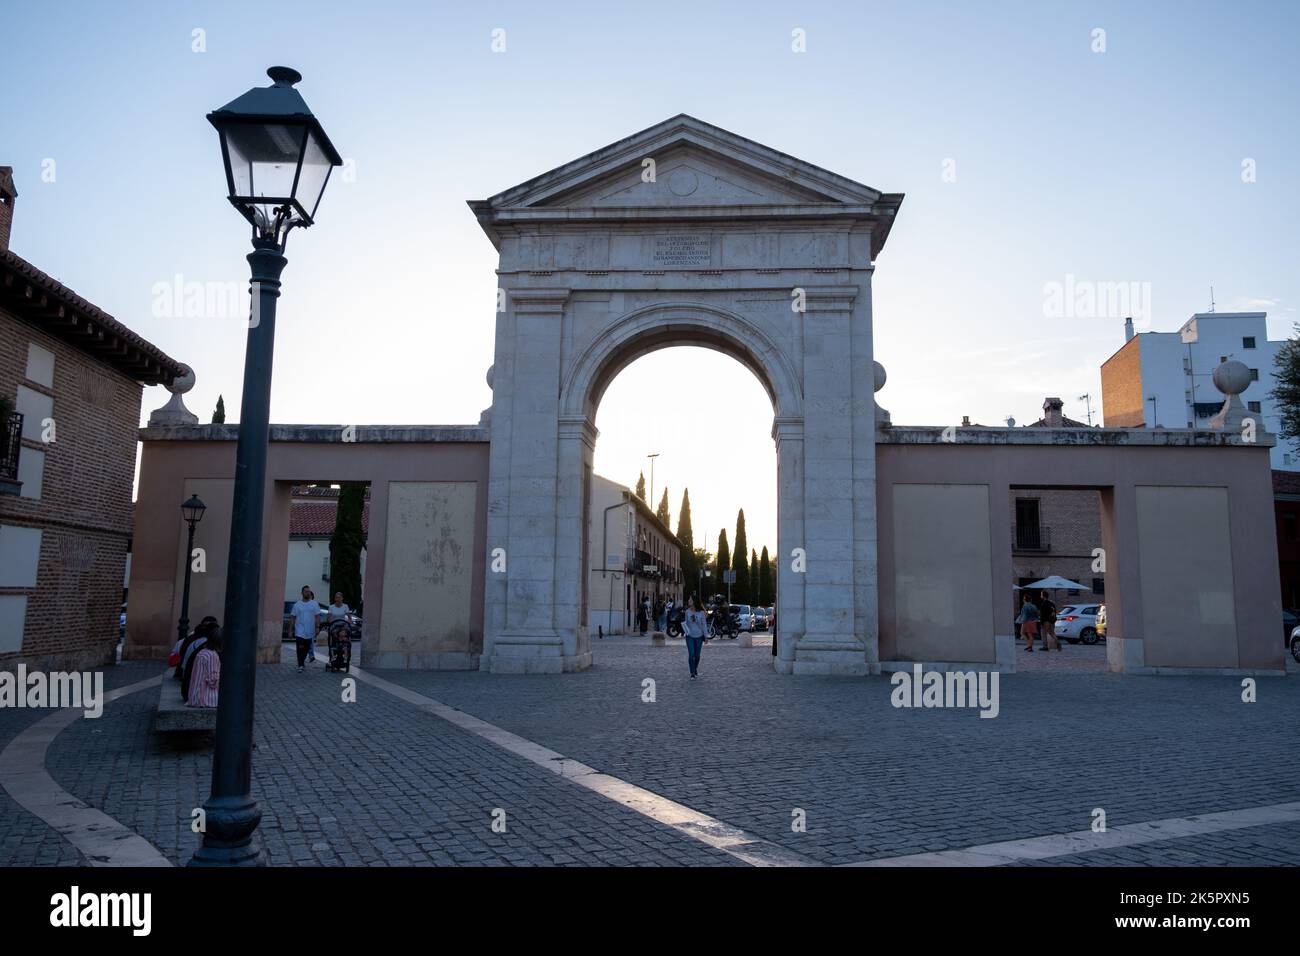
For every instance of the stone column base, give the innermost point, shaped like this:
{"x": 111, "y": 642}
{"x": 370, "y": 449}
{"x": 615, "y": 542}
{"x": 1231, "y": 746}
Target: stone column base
{"x": 530, "y": 654}
{"x": 828, "y": 656}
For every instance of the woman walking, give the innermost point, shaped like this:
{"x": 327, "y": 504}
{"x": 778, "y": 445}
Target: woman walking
{"x": 1028, "y": 621}
{"x": 694, "y": 627}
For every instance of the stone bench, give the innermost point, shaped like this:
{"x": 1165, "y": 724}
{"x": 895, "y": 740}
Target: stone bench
{"x": 174, "y": 715}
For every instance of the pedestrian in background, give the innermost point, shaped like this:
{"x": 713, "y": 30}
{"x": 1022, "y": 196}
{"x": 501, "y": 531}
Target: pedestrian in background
{"x": 1047, "y": 621}
{"x": 695, "y": 626}
{"x": 1028, "y": 621}
{"x": 306, "y": 619}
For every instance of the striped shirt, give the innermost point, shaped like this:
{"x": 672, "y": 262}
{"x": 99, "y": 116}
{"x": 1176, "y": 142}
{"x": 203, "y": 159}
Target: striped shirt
{"x": 205, "y": 679}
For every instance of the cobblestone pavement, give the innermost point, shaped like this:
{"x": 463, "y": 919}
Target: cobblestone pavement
{"x": 749, "y": 746}
{"x": 369, "y": 783}
{"x": 25, "y": 840}
{"x": 378, "y": 782}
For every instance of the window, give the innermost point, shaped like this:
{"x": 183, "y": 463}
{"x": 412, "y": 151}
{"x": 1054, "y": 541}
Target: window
{"x": 1029, "y": 535}
{"x": 1098, "y": 585}
{"x": 1254, "y": 375}
{"x": 1248, "y": 342}
{"x": 1253, "y": 406}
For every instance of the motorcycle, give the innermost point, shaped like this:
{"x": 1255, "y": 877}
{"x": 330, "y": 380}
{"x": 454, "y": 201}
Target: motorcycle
{"x": 723, "y": 623}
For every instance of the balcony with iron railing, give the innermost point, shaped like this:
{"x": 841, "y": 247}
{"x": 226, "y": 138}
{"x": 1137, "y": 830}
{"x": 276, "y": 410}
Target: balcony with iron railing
{"x": 638, "y": 561}
{"x": 1032, "y": 537}
{"x": 11, "y": 446}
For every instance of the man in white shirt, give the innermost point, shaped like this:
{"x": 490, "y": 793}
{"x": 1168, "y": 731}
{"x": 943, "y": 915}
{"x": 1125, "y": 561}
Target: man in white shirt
{"x": 306, "y": 619}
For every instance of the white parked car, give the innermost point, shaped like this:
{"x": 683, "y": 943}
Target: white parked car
{"x": 744, "y": 616}
{"x": 1077, "y": 622}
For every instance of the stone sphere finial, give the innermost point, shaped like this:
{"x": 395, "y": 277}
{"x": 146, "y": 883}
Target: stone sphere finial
{"x": 182, "y": 383}
{"x": 490, "y": 373}
{"x": 882, "y": 414}
{"x": 175, "y": 412}
{"x": 1231, "y": 377}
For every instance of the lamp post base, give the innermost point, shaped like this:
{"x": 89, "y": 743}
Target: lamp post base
{"x": 230, "y": 834}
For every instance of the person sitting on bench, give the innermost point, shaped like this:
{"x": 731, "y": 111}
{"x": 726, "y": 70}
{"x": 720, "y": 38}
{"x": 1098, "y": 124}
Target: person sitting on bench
{"x": 202, "y": 678}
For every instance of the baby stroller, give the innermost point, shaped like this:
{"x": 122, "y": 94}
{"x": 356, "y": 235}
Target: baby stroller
{"x": 340, "y": 646}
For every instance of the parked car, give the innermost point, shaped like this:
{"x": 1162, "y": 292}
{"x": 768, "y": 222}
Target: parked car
{"x": 286, "y": 629}
{"x": 1294, "y": 644}
{"x": 760, "y": 619}
{"x": 744, "y": 616}
{"x": 1101, "y": 622}
{"x": 1290, "y": 621}
{"x": 1078, "y": 622}
{"x": 771, "y": 617}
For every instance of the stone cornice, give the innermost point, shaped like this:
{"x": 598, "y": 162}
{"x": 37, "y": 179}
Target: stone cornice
{"x": 324, "y": 434}
{"x": 544, "y": 301}
{"x": 1082, "y": 437}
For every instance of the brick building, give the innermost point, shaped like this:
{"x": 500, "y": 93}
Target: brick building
{"x": 71, "y": 377}
{"x": 1286, "y": 507}
{"x": 1054, "y": 530}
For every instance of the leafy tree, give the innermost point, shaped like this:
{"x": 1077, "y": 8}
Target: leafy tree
{"x": 347, "y": 543}
{"x": 640, "y": 487}
{"x": 765, "y": 594}
{"x": 701, "y": 559}
{"x": 1287, "y": 392}
{"x": 662, "y": 511}
{"x": 740, "y": 590}
{"x": 723, "y": 564}
{"x": 219, "y": 416}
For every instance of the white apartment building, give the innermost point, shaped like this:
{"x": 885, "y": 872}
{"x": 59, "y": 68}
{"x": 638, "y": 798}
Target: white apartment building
{"x": 1163, "y": 378}
{"x": 633, "y": 556}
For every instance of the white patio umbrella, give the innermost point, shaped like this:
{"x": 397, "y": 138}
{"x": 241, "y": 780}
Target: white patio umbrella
{"x": 1055, "y": 583}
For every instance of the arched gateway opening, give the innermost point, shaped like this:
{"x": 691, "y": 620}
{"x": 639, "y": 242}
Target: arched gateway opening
{"x": 725, "y": 244}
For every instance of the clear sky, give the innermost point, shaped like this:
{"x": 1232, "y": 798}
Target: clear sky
{"x": 1027, "y": 157}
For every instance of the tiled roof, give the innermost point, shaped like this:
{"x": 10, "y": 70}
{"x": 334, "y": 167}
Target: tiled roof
{"x": 48, "y": 303}
{"x": 315, "y": 519}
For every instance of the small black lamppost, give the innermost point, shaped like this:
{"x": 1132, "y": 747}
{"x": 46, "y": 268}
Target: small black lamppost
{"x": 278, "y": 160}
{"x": 192, "y": 511}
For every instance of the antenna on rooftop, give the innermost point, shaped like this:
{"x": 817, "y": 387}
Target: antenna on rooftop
{"x": 1211, "y": 298}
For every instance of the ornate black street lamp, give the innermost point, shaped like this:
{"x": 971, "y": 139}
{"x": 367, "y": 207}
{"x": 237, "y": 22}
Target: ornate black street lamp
{"x": 278, "y": 160}
{"x": 192, "y": 511}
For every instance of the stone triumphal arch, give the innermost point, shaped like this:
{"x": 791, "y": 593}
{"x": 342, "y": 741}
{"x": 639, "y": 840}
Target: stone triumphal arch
{"x": 684, "y": 234}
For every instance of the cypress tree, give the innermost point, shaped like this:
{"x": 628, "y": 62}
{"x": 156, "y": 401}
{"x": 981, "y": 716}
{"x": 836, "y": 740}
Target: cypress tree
{"x": 347, "y": 542}
{"x": 753, "y": 577}
{"x": 219, "y": 416}
{"x": 662, "y": 512}
{"x": 640, "y": 487}
{"x": 723, "y": 564}
{"x": 765, "y": 579}
{"x": 686, "y": 542}
{"x": 740, "y": 590}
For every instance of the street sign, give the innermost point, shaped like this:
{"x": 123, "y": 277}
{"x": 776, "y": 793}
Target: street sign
{"x": 650, "y": 568}
{"x": 729, "y": 577}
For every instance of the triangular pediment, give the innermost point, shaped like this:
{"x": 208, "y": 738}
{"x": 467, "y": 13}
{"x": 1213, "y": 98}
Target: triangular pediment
{"x": 686, "y": 175}
{"x": 685, "y": 169}
{"x": 695, "y": 163}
